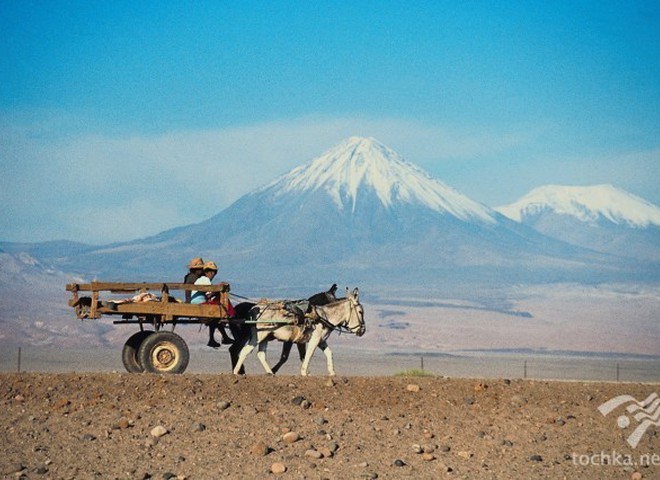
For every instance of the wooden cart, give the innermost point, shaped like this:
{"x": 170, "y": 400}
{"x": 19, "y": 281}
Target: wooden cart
{"x": 152, "y": 350}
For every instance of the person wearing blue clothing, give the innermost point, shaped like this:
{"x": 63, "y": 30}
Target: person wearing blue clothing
{"x": 198, "y": 297}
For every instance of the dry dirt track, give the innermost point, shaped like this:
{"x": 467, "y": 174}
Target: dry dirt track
{"x": 221, "y": 426}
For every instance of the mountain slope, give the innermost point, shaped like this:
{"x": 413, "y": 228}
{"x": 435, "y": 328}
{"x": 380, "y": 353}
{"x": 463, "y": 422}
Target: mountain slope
{"x": 600, "y": 217}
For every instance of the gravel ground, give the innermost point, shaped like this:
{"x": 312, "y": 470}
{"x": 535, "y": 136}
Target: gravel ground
{"x": 111, "y": 425}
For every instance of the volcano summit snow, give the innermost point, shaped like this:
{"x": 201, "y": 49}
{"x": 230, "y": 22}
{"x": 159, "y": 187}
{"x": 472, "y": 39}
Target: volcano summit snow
{"x": 589, "y": 204}
{"x": 364, "y": 163}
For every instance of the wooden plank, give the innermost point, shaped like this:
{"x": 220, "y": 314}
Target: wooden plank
{"x": 122, "y": 287}
{"x": 166, "y": 308}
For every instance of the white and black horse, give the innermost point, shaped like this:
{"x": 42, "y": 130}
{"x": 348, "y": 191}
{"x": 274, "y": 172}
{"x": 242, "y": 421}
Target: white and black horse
{"x": 344, "y": 314}
{"x": 241, "y": 331}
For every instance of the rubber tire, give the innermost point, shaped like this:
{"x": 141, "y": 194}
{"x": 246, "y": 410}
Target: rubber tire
{"x": 164, "y": 352}
{"x": 129, "y": 354}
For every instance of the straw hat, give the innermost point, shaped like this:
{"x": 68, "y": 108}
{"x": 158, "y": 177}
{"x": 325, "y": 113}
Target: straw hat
{"x": 196, "y": 262}
{"x": 210, "y": 266}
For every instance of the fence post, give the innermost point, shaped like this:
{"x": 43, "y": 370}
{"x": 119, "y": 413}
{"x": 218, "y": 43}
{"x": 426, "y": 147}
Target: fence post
{"x": 617, "y": 372}
{"x": 19, "y": 359}
{"x": 422, "y": 362}
{"x": 525, "y": 370}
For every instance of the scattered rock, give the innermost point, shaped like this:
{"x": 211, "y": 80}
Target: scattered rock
{"x": 368, "y": 421}
{"x": 151, "y": 442}
{"x": 278, "y": 468}
{"x": 413, "y": 387}
{"x": 326, "y": 452}
{"x": 443, "y": 467}
{"x": 15, "y": 468}
{"x": 312, "y": 453}
{"x": 259, "y": 449}
{"x": 290, "y": 437}
{"x": 297, "y": 400}
{"x": 224, "y": 405}
{"x": 159, "y": 431}
{"x": 480, "y": 387}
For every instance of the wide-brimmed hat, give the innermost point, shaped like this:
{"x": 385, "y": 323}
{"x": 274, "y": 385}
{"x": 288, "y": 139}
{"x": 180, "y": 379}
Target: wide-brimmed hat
{"x": 210, "y": 266}
{"x": 196, "y": 262}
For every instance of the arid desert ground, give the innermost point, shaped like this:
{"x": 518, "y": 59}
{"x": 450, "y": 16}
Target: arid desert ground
{"x": 190, "y": 426}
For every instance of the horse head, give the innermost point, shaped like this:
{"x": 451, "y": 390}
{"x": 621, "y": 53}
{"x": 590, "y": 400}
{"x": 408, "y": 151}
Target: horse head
{"x": 355, "y": 323}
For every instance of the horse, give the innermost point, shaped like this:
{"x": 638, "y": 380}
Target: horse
{"x": 241, "y": 331}
{"x": 346, "y": 314}
{"x": 316, "y": 300}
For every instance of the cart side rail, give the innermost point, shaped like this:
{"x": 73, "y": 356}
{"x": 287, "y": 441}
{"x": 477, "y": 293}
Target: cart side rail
{"x": 166, "y": 310}
{"x": 123, "y": 287}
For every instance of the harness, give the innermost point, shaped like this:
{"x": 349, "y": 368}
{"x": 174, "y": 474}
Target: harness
{"x": 340, "y": 327}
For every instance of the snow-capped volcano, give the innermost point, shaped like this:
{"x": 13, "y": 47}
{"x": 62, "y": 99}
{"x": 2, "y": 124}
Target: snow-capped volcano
{"x": 357, "y": 163}
{"x": 590, "y": 204}
{"x": 599, "y": 217}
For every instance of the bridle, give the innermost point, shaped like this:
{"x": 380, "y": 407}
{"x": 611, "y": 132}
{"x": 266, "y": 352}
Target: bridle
{"x": 342, "y": 327}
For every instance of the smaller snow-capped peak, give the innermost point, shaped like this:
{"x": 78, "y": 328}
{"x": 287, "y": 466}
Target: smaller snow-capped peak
{"x": 359, "y": 163}
{"x": 588, "y": 204}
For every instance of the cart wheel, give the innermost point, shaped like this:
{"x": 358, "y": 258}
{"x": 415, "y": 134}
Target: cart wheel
{"x": 129, "y": 354}
{"x": 164, "y": 352}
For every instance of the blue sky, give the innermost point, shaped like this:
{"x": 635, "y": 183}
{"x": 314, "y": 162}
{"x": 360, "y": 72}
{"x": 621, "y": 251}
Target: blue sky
{"x": 121, "y": 119}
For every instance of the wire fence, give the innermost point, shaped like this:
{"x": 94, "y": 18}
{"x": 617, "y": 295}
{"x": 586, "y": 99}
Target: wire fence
{"x": 356, "y": 363}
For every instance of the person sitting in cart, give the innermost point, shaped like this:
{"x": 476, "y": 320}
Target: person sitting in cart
{"x": 195, "y": 270}
{"x": 198, "y": 297}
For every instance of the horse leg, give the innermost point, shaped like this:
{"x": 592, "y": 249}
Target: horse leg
{"x": 286, "y": 349}
{"x": 261, "y": 355}
{"x": 241, "y": 337}
{"x": 245, "y": 351}
{"x": 313, "y": 342}
{"x": 302, "y": 350}
{"x": 328, "y": 357}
